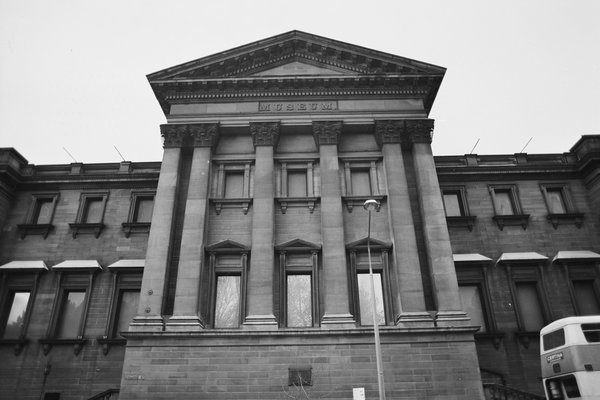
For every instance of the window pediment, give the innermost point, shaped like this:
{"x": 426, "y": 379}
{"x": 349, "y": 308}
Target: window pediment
{"x": 227, "y": 246}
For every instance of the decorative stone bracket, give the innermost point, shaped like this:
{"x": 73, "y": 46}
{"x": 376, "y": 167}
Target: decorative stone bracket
{"x": 135, "y": 227}
{"x": 17, "y": 344}
{"x": 285, "y": 202}
{"x": 35, "y": 229}
{"x": 512, "y": 220}
{"x": 462, "y": 221}
{"x": 76, "y": 343}
{"x": 358, "y": 201}
{"x": 569, "y": 218}
{"x": 94, "y": 229}
{"x": 242, "y": 203}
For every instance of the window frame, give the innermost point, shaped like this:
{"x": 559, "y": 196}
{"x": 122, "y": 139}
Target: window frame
{"x": 517, "y": 218}
{"x": 373, "y": 166}
{"x": 218, "y": 185}
{"x": 309, "y": 167}
{"x": 31, "y": 225}
{"x": 286, "y": 268}
{"x": 465, "y": 220}
{"x": 72, "y": 275}
{"x": 81, "y": 226}
{"x": 377, "y": 247}
{"x": 570, "y": 216}
{"x": 132, "y": 225}
{"x": 15, "y": 279}
{"x": 581, "y": 270}
{"x": 226, "y": 248}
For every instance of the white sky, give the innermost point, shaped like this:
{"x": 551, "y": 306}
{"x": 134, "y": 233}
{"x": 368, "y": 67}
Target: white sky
{"x": 73, "y": 72}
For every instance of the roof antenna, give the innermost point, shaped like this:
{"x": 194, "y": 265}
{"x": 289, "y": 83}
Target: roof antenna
{"x": 526, "y": 144}
{"x": 123, "y": 158}
{"x": 476, "y": 143}
{"x": 70, "y": 155}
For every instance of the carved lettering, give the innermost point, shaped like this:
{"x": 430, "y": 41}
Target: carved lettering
{"x": 295, "y": 106}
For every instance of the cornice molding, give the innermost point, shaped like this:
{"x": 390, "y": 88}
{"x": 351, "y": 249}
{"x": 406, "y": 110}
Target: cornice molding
{"x": 327, "y": 132}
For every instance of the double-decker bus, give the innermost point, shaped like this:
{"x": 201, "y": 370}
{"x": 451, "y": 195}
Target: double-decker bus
{"x": 570, "y": 358}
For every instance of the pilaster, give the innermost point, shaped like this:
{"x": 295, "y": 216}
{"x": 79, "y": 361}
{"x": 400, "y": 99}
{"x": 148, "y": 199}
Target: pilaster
{"x": 260, "y": 276}
{"x": 337, "y": 305}
{"x": 185, "y": 317}
{"x": 437, "y": 238}
{"x": 409, "y": 297}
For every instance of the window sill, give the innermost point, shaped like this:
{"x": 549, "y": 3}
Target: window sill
{"x": 243, "y": 203}
{"x": 359, "y": 201}
{"x": 17, "y": 344}
{"x": 135, "y": 227}
{"x": 107, "y": 343}
{"x": 461, "y": 221}
{"x": 35, "y": 229}
{"x": 76, "y": 343}
{"x": 495, "y": 337}
{"x": 285, "y": 202}
{"x": 567, "y": 218}
{"x": 525, "y": 337}
{"x": 94, "y": 229}
{"x": 512, "y": 220}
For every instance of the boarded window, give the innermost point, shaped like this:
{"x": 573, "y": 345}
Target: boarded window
{"x": 296, "y": 183}
{"x": 234, "y": 185}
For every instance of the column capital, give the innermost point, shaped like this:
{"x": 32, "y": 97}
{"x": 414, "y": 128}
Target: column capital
{"x": 189, "y": 135}
{"x": 264, "y": 133}
{"x": 389, "y": 131}
{"x": 419, "y": 130}
{"x": 327, "y": 132}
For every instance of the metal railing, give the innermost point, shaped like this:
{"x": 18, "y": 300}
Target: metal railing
{"x": 110, "y": 394}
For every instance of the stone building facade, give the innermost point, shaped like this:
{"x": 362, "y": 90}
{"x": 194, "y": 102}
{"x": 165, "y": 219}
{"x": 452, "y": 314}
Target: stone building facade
{"x": 237, "y": 266}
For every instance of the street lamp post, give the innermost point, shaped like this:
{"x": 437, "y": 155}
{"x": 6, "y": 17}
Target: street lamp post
{"x": 371, "y": 205}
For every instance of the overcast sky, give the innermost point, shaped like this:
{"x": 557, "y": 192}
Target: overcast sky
{"x": 73, "y": 72}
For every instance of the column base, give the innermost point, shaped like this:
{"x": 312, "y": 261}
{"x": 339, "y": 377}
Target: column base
{"x": 414, "y": 319}
{"x": 452, "y": 318}
{"x": 338, "y": 321}
{"x": 260, "y": 322}
{"x": 150, "y": 323}
{"x": 184, "y": 323}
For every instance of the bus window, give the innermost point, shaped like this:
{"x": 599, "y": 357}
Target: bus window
{"x": 554, "y": 339}
{"x": 591, "y": 332}
{"x": 570, "y": 385}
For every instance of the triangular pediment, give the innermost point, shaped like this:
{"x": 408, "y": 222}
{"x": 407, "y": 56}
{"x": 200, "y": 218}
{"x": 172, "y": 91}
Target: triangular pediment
{"x": 297, "y": 244}
{"x": 361, "y": 244}
{"x": 227, "y": 246}
{"x": 296, "y": 54}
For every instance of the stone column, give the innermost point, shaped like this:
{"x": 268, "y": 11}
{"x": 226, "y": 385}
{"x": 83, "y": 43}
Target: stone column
{"x": 410, "y": 297}
{"x": 149, "y": 316}
{"x": 335, "y": 271}
{"x": 437, "y": 238}
{"x": 185, "y": 312}
{"x": 260, "y": 275}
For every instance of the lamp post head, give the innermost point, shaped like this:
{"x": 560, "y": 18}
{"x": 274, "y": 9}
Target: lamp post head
{"x": 371, "y": 205}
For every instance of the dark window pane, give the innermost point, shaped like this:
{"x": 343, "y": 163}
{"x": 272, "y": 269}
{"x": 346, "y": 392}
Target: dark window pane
{"x": 586, "y": 299}
{"x": 361, "y": 183}
{"x": 556, "y": 202}
{"x": 529, "y": 306}
{"x": 365, "y": 299}
{"x": 554, "y": 339}
{"x": 227, "y": 302}
{"x": 16, "y": 315}
{"x": 452, "y": 205}
{"x": 43, "y": 211}
{"x": 143, "y": 212}
{"x": 128, "y": 304}
{"x": 470, "y": 296}
{"x": 296, "y": 183}
{"x": 571, "y": 388}
{"x": 234, "y": 185}
{"x": 93, "y": 211}
{"x": 504, "y": 205}
{"x": 70, "y": 315}
{"x": 299, "y": 300}
{"x": 591, "y": 332}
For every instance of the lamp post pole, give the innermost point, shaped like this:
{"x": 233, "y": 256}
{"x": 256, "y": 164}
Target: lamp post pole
{"x": 371, "y": 205}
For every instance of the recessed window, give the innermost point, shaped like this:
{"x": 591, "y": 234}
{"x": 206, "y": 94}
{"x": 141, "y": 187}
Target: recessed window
{"x": 585, "y": 297}
{"x": 234, "y": 185}
{"x": 529, "y": 306}
{"x": 44, "y": 209}
{"x": 71, "y": 314}
{"x": 230, "y": 186}
{"x": 143, "y": 209}
{"x": 504, "y": 202}
{"x": 40, "y": 215}
{"x": 90, "y": 215}
{"x": 15, "y": 312}
{"x": 366, "y": 297}
{"x": 556, "y": 202}
{"x": 296, "y": 184}
{"x": 361, "y": 182}
{"x": 140, "y": 213}
{"x": 561, "y": 208}
{"x": 453, "y": 204}
{"x": 127, "y": 305}
{"x": 227, "y": 301}
{"x": 507, "y": 207}
{"x": 472, "y": 301}
{"x": 93, "y": 211}
{"x": 299, "y": 301}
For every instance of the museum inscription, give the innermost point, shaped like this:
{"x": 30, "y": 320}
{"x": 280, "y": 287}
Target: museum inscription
{"x": 297, "y": 106}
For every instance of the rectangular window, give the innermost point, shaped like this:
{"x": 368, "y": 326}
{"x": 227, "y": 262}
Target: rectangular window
{"x": 453, "y": 204}
{"x": 365, "y": 297}
{"x": 93, "y": 210}
{"x": 471, "y": 299}
{"x": 361, "y": 182}
{"x": 71, "y": 314}
{"x": 504, "y": 203}
{"x": 556, "y": 202}
{"x": 44, "y": 209}
{"x": 585, "y": 296}
{"x": 227, "y": 301}
{"x": 126, "y": 311}
{"x": 15, "y": 314}
{"x": 234, "y": 185}
{"x": 554, "y": 339}
{"x": 296, "y": 183}
{"x": 529, "y": 305}
{"x": 299, "y": 301}
{"x": 143, "y": 209}
{"x": 591, "y": 332}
